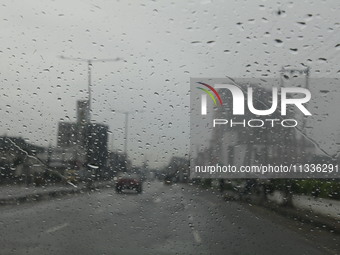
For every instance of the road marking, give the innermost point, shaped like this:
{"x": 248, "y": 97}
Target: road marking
{"x": 195, "y": 233}
{"x": 99, "y": 210}
{"x": 197, "y": 236}
{"x": 56, "y": 228}
{"x": 157, "y": 200}
{"x": 209, "y": 203}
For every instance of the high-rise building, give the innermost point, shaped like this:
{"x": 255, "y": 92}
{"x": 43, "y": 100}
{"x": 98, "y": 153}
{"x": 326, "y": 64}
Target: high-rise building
{"x": 87, "y": 140}
{"x": 83, "y": 112}
{"x": 72, "y": 134}
{"x": 96, "y": 141}
{"x": 67, "y": 134}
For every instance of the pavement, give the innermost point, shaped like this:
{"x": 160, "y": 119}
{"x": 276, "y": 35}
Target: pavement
{"x": 18, "y": 194}
{"x": 320, "y": 212}
{"x": 164, "y": 219}
{"x": 321, "y": 206}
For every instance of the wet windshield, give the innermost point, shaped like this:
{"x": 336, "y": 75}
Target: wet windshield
{"x": 159, "y": 127}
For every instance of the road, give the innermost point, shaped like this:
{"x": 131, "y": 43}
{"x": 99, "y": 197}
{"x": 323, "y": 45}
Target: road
{"x": 164, "y": 219}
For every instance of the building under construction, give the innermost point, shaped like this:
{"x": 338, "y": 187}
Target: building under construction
{"x": 87, "y": 140}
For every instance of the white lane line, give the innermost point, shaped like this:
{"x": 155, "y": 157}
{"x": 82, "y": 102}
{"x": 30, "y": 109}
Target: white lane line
{"x": 157, "y": 200}
{"x": 195, "y": 233}
{"x": 211, "y": 204}
{"x": 99, "y": 210}
{"x": 56, "y": 228}
{"x": 197, "y": 236}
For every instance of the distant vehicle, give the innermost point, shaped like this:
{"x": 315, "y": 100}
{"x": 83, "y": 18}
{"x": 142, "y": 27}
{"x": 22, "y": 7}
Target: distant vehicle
{"x": 129, "y": 181}
{"x": 168, "y": 180}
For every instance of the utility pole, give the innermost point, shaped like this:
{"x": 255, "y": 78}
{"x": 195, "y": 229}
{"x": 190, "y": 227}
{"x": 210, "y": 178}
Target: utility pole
{"x": 83, "y": 137}
{"x": 301, "y": 143}
{"x": 89, "y": 73}
{"x": 126, "y": 113}
{"x": 303, "y": 71}
{"x": 126, "y": 129}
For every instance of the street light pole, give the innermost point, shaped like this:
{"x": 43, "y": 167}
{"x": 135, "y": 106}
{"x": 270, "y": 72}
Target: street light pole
{"x": 126, "y": 131}
{"x": 89, "y": 72}
{"x": 89, "y": 63}
{"x": 304, "y": 71}
{"x": 126, "y": 113}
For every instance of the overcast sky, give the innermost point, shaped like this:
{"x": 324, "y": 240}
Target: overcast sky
{"x": 162, "y": 45}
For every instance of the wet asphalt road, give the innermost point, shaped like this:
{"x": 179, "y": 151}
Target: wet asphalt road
{"x": 164, "y": 219}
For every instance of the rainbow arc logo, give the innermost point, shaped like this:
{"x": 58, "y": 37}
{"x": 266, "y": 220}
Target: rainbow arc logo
{"x": 211, "y": 94}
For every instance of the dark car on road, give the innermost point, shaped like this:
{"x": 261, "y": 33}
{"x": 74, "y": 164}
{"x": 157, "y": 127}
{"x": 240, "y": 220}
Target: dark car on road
{"x": 168, "y": 180}
{"x": 130, "y": 182}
